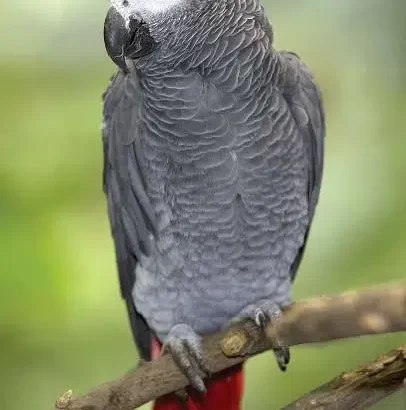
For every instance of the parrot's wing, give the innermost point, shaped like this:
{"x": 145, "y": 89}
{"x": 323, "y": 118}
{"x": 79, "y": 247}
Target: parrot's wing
{"x": 304, "y": 99}
{"x": 132, "y": 219}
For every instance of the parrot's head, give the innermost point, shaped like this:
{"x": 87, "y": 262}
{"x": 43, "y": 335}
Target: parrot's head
{"x": 131, "y": 25}
{"x": 143, "y": 9}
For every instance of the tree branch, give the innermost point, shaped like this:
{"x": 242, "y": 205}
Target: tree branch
{"x": 355, "y": 313}
{"x": 359, "y": 388}
{"x": 377, "y": 310}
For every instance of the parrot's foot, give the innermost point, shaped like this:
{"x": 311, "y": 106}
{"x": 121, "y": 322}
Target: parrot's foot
{"x": 262, "y": 313}
{"x": 184, "y": 345}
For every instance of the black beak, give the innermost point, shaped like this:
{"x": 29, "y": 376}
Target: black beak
{"x": 121, "y": 42}
{"x": 116, "y": 37}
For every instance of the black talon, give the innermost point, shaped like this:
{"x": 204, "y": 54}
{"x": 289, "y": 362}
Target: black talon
{"x": 185, "y": 348}
{"x": 263, "y": 313}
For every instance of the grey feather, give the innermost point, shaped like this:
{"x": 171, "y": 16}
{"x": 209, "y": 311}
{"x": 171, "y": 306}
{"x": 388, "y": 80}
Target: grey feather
{"x": 125, "y": 192}
{"x": 213, "y": 151}
{"x": 304, "y": 98}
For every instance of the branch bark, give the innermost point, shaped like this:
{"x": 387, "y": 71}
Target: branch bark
{"x": 359, "y": 388}
{"x": 377, "y": 310}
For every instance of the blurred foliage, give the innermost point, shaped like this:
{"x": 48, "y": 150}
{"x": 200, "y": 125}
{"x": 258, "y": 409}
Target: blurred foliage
{"x": 62, "y": 323}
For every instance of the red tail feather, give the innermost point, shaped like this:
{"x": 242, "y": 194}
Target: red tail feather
{"x": 224, "y": 392}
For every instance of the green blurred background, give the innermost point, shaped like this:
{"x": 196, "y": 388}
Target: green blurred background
{"x": 62, "y": 323}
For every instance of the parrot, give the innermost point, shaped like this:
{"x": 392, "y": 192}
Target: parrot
{"x": 213, "y": 147}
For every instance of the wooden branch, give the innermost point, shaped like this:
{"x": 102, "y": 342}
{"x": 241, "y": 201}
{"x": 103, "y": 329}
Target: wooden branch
{"x": 379, "y": 310}
{"x": 359, "y": 388}
{"x": 355, "y": 313}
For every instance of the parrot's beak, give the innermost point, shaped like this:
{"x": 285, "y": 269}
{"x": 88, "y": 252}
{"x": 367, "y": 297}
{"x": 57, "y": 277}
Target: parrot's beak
{"x": 123, "y": 39}
{"x": 116, "y": 37}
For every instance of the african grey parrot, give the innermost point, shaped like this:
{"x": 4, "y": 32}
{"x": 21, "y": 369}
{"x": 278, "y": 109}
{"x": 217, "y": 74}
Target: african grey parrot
{"x": 213, "y": 159}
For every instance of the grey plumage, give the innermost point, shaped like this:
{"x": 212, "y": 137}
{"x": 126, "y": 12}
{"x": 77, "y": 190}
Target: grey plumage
{"x": 213, "y": 146}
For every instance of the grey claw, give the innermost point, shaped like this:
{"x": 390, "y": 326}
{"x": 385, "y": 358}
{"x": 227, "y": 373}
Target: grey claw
{"x": 185, "y": 348}
{"x": 264, "y": 312}
{"x": 281, "y": 352}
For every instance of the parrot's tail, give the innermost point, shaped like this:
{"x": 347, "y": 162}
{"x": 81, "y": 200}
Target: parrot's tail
{"x": 224, "y": 392}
